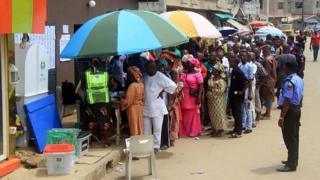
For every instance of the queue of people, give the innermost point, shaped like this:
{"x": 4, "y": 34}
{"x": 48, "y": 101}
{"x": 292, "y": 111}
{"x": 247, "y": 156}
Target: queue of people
{"x": 185, "y": 91}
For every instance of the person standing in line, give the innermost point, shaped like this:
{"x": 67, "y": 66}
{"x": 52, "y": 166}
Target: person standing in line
{"x": 223, "y": 59}
{"x": 217, "y": 103}
{"x": 314, "y": 45}
{"x": 301, "y": 39}
{"x": 259, "y": 76}
{"x": 133, "y": 101}
{"x": 174, "y": 108}
{"x": 247, "y": 112}
{"x": 290, "y": 102}
{"x": 190, "y": 126}
{"x": 238, "y": 85}
{"x": 269, "y": 83}
{"x": 211, "y": 61}
{"x": 155, "y": 83}
{"x": 163, "y": 67}
{"x": 251, "y": 62}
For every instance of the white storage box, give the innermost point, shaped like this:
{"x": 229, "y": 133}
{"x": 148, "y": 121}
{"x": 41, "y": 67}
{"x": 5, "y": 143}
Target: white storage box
{"x": 59, "y": 158}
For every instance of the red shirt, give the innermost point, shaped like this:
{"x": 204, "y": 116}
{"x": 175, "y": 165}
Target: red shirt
{"x": 315, "y": 40}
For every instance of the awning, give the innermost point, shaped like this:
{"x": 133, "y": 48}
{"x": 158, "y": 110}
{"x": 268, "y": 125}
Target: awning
{"x": 23, "y": 16}
{"x": 240, "y": 27}
{"x": 223, "y": 16}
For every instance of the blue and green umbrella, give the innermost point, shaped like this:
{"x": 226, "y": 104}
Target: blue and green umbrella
{"x": 123, "y": 32}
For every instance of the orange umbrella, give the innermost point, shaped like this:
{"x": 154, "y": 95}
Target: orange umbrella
{"x": 258, "y": 24}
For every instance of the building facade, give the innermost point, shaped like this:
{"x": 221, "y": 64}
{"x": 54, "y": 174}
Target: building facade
{"x": 304, "y": 7}
{"x": 278, "y": 11}
{"x": 73, "y": 14}
{"x": 274, "y": 10}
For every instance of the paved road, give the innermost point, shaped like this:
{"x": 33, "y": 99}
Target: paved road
{"x": 254, "y": 156}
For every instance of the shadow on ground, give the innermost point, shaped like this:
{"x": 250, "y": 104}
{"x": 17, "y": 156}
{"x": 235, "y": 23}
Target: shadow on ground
{"x": 164, "y": 155}
{"x": 134, "y": 178}
{"x": 266, "y": 170}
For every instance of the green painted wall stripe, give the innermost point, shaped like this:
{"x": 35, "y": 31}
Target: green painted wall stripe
{"x": 103, "y": 38}
{"x": 22, "y": 15}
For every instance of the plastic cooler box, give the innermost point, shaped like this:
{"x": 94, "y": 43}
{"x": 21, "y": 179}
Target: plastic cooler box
{"x": 64, "y": 136}
{"x": 80, "y": 140}
{"x": 59, "y": 158}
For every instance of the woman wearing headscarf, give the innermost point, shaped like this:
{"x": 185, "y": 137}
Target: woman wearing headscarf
{"x": 217, "y": 103}
{"x": 174, "y": 108}
{"x": 133, "y": 101}
{"x": 190, "y": 126}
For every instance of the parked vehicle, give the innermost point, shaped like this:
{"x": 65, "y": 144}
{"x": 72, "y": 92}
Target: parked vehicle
{"x": 287, "y": 29}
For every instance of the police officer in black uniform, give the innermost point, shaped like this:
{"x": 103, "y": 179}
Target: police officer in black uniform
{"x": 290, "y": 101}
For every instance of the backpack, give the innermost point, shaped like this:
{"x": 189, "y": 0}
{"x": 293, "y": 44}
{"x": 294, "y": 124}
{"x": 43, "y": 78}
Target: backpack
{"x": 68, "y": 93}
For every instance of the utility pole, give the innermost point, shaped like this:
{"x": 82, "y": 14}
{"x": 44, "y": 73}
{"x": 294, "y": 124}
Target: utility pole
{"x": 268, "y": 9}
{"x": 302, "y": 14}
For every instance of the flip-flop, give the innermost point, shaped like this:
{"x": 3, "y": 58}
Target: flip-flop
{"x": 235, "y": 136}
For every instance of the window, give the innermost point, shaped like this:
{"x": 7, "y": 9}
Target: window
{"x": 261, "y": 4}
{"x": 299, "y": 5}
{"x": 280, "y": 5}
{"x": 318, "y": 4}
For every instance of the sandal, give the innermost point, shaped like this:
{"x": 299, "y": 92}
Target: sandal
{"x": 163, "y": 148}
{"x": 235, "y": 136}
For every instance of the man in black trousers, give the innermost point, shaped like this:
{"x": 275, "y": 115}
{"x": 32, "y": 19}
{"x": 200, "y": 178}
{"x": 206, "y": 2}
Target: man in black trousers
{"x": 239, "y": 82}
{"x": 290, "y": 101}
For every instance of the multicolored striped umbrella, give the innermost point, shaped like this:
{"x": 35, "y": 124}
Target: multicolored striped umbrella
{"x": 123, "y": 32}
{"x": 23, "y": 16}
{"x": 192, "y": 24}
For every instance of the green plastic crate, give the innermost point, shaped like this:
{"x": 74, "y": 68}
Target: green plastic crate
{"x": 63, "y": 136}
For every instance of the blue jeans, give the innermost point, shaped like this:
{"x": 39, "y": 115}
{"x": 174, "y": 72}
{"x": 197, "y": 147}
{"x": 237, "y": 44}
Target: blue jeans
{"x": 247, "y": 115}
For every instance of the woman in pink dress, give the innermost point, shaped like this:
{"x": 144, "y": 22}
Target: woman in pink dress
{"x": 190, "y": 126}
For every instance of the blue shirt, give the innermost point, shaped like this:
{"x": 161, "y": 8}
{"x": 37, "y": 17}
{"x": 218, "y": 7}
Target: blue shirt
{"x": 248, "y": 70}
{"x": 293, "y": 89}
{"x": 115, "y": 69}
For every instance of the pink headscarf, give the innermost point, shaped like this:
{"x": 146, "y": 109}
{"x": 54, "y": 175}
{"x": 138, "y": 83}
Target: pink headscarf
{"x": 195, "y": 62}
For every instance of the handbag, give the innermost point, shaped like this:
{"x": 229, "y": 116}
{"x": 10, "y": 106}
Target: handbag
{"x": 192, "y": 91}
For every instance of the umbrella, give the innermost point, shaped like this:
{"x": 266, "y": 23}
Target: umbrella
{"x": 271, "y": 30}
{"x": 226, "y": 31}
{"x": 192, "y": 24}
{"x": 258, "y": 24}
{"x": 123, "y": 32}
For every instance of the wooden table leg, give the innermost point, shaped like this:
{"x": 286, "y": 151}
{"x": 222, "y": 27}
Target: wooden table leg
{"x": 118, "y": 116}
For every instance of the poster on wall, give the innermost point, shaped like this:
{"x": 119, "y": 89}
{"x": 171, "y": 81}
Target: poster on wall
{"x": 65, "y": 38}
{"x": 47, "y": 40}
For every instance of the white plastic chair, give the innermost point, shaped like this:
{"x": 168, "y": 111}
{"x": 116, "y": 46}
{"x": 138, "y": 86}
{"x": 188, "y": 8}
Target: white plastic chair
{"x": 141, "y": 147}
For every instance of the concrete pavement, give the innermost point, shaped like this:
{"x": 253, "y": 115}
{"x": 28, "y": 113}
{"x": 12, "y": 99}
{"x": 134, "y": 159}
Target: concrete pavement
{"x": 254, "y": 156}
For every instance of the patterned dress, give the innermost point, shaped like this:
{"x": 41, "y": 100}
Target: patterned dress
{"x": 217, "y": 103}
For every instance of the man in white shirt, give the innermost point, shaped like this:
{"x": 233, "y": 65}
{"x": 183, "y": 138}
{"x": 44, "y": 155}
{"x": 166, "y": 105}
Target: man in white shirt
{"x": 155, "y": 83}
